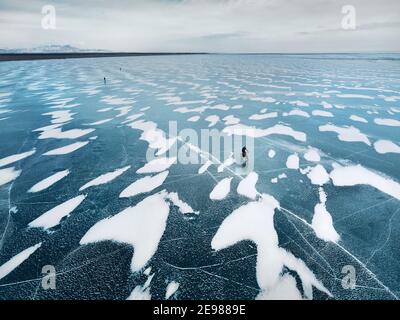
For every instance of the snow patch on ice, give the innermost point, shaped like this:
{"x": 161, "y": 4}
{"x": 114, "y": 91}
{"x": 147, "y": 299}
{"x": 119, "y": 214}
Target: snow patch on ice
{"x": 16, "y": 260}
{"x": 221, "y": 190}
{"x": 292, "y": 162}
{"x": 354, "y": 96}
{"x": 66, "y": 149}
{"x": 104, "y": 178}
{"x": 183, "y": 206}
{"x": 247, "y": 187}
{"x": 141, "y": 226}
{"x": 355, "y": 175}
{"x": 349, "y": 134}
{"x": 213, "y": 119}
{"x": 157, "y": 165}
{"x": 358, "y": 119}
{"x": 386, "y": 146}
{"x": 263, "y": 116}
{"x": 322, "y": 113}
{"x": 99, "y": 122}
{"x": 49, "y": 181}
{"x": 53, "y": 217}
{"x": 228, "y": 162}
{"x": 271, "y": 153}
{"x": 255, "y": 222}
{"x": 231, "y": 120}
{"x": 322, "y": 223}
{"x": 144, "y": 185}
{"x": 204, "y": 167}
{"x": 172, "y": 287}
{"x": 69, "y": 134}
{"x": 194, "y": 119}
{"x": 243, "y": 130}
{"x": 387, "y": 122}
{"x": 297, "y": 112}
{"x": 312, "y": 155}
{"x": 8, "y": 174}
{"x": 318, "y": 175}
{"x": 16, "y": 157}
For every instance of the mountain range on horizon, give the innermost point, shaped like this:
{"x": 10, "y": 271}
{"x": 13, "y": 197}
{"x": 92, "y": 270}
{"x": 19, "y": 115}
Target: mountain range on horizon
{"x": 51, "y": 48}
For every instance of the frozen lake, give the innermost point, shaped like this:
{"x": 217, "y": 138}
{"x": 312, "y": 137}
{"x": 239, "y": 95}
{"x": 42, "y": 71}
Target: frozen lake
{"x": 320, "y": 200}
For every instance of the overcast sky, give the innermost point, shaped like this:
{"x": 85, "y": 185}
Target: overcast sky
{"x": 204, "y": 25}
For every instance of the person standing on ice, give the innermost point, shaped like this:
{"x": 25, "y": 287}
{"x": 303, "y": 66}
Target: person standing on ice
{"x": 244, "y": 156}
{"x": 105, "y": 80}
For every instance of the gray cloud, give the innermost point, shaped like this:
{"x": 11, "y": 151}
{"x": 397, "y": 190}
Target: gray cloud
{"x": 204, "y": 25}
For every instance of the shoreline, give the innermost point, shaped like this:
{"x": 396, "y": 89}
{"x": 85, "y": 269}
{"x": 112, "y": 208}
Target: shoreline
{"x": 76, "y": 55}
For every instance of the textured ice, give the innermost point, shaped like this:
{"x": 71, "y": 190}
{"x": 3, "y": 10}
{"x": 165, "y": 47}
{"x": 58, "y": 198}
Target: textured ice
{"x": 297, "y": 245}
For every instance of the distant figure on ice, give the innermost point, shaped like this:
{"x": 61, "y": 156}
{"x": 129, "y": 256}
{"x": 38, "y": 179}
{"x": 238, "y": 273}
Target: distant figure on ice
{"x": 244, "y": 156}
{"x": 105, "y": 80}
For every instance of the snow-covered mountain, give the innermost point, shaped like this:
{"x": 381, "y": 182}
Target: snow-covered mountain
{"x": 51, "y": 49}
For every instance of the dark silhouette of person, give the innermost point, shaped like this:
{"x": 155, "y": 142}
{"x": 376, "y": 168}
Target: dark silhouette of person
{"x": 244, "y": 152}
{"x": 105, "y": 80}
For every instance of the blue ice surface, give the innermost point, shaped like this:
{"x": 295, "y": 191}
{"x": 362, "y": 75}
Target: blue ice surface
{"x": 367, "y": 220}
